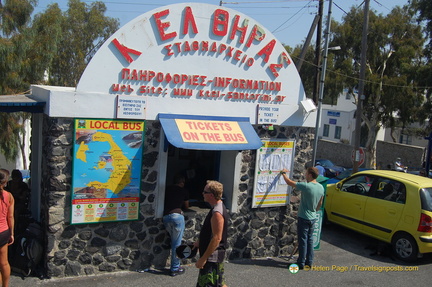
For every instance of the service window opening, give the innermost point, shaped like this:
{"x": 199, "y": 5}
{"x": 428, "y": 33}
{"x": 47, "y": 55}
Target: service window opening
{"x": 197, "y": 166}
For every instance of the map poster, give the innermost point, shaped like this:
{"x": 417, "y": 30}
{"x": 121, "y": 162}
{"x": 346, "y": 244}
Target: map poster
{"x": 270, "y": 189}
{"x": 106, "y": 172}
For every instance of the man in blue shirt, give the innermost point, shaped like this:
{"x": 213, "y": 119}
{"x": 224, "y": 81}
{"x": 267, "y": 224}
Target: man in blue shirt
{"x": 312, "y": 194}
{"x": 320, "y": 168}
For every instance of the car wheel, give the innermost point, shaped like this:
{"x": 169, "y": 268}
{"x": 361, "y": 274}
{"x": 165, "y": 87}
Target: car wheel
{"x": 405, "y": 247}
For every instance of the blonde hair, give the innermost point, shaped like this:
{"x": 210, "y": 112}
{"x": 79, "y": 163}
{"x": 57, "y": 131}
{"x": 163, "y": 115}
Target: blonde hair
{"x": 216, "y": 188}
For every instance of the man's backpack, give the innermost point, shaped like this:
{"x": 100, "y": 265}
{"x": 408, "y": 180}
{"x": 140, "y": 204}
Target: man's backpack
{"x": 26, "y": 253}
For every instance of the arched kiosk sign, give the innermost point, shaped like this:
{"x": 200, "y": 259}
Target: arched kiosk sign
{"x": 197, "y": 59}
{"x": 207, "y": 73}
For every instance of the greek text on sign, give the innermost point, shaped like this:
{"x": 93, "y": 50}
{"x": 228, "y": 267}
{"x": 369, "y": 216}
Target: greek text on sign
{"x": 193, "y": 57}
{"x": 130, "y": 107}
{"x": 201, "y": 131}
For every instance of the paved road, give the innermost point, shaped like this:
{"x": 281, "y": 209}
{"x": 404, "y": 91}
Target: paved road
{"x": 340, "y": 262}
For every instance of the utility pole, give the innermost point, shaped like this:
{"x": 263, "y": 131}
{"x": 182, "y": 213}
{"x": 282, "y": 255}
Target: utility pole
{"x": 306, "y": 43}
{"x": 360, "y": 95}
{"x": 321, "y": 85}
{"x": 318, "y": 52}
{"x": 428, "y": 154}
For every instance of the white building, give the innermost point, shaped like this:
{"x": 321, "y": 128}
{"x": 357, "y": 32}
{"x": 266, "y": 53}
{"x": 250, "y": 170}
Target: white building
{"x": 338, "y": 124}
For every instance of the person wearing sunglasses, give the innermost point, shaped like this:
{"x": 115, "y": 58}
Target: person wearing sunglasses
{"x": 212, "y": 242}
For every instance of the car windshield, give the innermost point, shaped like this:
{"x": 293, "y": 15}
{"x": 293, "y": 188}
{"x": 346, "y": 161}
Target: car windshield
{"x": 426, "y": 198}
{"x": 344, "y": 174}
{"x": 325, "y": 163}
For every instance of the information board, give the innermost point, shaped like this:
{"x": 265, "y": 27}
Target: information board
{"x": 106, "y": 172}
{"x": 270, "y": 189}
{"x": 131, "y": 107}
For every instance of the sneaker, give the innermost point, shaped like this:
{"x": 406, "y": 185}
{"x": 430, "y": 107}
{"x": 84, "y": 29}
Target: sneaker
{"x": 300, "y": 265}
{"x": 179, "y": 271}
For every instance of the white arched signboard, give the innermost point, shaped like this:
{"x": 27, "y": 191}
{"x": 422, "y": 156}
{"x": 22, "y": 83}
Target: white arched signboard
{"x": 198, "y": 59}
{"x": 206, "y": 72}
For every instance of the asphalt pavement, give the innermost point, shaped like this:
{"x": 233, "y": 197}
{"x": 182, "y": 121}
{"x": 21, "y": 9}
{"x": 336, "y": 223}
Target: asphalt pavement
{"x": 345, "y": 258}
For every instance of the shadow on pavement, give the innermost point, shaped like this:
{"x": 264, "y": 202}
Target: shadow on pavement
{"x": 365, "y": 246}
{"x": 263, "y": 262}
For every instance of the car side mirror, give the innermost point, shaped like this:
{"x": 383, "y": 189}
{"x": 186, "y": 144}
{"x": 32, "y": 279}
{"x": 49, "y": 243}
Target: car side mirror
{"x": 338, "y": 185}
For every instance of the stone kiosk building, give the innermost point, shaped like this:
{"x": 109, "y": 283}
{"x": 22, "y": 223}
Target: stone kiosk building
{"x": 191, "y": 88}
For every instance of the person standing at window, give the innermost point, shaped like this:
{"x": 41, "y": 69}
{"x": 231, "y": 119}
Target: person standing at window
{"x": 312, "y": 194}
{"x": 176, "y": 197}
{"x": 21, "y": 194}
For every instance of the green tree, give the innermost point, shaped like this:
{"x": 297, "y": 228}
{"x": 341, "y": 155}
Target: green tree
{"x": 10, "y": 135}
{"x": 56, "y": 43}
{"x": 308, "y": 69}
{"x": 423, "y": 9}
{"x": 393, "y": 57}
{"x": 15, "y": 43}
{"x": 332, "y": 88}
{"x": 84, "y": 29}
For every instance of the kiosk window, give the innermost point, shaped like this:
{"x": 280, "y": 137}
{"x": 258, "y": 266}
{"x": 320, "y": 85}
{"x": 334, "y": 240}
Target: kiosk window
{"x": 196, "y": 166}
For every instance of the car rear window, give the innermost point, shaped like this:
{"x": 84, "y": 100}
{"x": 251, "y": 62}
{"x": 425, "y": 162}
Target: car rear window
{"x": 426, "y": 198}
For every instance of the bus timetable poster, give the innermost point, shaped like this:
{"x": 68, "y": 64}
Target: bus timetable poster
{"x": 270, "y": 189}
{"x": 106, "y": 172}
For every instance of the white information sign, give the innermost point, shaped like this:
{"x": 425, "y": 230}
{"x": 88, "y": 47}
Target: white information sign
{"x": 130, "y": 107}
{"x": 268, "y": 114}
{"x": 270, "y": 187}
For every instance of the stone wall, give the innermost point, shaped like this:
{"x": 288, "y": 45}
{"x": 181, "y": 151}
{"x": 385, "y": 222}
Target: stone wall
{"x": 85, "y": 249}
{"x": 338, "y": 153}
{"x": 412, "y": 156}
{"x": 386, "y": 153}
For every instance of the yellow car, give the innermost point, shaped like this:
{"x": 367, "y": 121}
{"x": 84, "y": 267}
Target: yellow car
{"x": 391, "y": 206}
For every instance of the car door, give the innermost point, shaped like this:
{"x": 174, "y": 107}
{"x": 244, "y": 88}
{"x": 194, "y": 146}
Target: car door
{"x": 349, "y": 200}
{"x": 384, "y": 208}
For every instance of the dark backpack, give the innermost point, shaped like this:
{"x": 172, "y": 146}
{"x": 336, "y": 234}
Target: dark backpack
{"x": 26, "y": 253}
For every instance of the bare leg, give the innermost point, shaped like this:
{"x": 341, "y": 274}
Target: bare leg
{"x": 4, "y": 265}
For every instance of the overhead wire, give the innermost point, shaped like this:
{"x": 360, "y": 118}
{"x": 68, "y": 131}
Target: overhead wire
{"x": 358, "y": 78}
{"x": 275, "y": 30}
{"x": 302, "y": 9}
{"x": 265, "y": 1}
{"x": 381, "y": 5}
{"x": 340, "y": 8}
{"x": 236, "y": 3}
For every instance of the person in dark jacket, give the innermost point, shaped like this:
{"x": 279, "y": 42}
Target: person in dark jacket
{"x": 21, "y": 193}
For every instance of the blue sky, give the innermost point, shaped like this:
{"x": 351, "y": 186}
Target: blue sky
{"x": 288, "y": 20}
